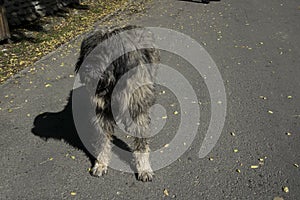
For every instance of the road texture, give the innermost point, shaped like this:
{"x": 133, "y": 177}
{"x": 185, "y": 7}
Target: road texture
{"x": 255, "y": 45}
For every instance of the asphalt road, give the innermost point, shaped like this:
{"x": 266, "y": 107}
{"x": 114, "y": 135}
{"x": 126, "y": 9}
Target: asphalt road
{"x": 256, "y": 47}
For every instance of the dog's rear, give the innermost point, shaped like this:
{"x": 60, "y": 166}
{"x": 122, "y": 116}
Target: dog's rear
{"x": 118, "y": 67}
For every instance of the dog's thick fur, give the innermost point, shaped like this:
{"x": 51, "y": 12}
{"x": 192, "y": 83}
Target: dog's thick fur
{"x": 101, "y": 82}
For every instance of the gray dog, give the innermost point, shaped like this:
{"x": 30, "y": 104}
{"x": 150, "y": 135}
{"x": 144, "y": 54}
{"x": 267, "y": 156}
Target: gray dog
{"x": 120, "y": 79}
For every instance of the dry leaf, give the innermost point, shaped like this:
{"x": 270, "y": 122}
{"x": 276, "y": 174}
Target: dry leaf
{"x": 73, "y": 193}
{"x": 285, "y": 189}
{"x": 166, "y": 192}
{"x": 262, "y": 97}
{"x": 254, "y": 166}
{"x": 278, "y": 198}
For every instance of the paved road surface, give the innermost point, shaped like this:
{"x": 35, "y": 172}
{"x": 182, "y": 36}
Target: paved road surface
{"x": 255, "y": 45}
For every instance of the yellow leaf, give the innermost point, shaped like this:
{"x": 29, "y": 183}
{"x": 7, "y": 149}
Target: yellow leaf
{"x": 285, "y": 189}
{"x": 166, "y": 192}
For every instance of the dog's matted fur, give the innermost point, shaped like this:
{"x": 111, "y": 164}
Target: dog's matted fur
{"x": 101, "y": 79}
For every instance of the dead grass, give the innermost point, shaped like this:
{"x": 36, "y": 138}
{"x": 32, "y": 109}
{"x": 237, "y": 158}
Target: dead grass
{"x": 33, "y": 41}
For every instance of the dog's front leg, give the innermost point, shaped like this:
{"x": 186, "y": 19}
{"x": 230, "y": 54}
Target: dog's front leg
{"x": 103, "y": 158}
{"x": 141, "y": 155}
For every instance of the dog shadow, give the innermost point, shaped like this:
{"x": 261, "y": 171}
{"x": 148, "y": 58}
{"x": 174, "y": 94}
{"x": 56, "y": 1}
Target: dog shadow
{"x": 61, "y": 126}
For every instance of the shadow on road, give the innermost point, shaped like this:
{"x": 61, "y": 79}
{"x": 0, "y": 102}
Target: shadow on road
{"x": 60, "y": 126}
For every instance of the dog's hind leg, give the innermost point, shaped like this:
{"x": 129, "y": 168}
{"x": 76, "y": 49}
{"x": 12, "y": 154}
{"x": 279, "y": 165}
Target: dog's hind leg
{"x": 105, "y": 130}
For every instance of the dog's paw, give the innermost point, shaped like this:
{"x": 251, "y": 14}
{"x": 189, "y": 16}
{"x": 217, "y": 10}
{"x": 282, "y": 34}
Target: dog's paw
{"x": 99, "y": 169}
{"x": 145, "y": 176}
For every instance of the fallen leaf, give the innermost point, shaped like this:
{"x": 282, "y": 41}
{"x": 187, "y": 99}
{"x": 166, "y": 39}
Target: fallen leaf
{"x": 48, "y": 85}
{"x": 254, "y": 166}
{"x": 271, "y": 112}
{"x": 278, "y": 198}
{"x": 166, "y": 192}
{"x": 175, "y": 112}
{"x": 289, "y": 97}
{"x": 262, "y": 97}
{"x": 285, "y": 189}
{"x": 73, "y": 193}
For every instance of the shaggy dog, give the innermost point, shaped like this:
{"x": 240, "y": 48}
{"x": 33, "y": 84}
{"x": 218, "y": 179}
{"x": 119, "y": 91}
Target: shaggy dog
{"x": 121, "y": 87}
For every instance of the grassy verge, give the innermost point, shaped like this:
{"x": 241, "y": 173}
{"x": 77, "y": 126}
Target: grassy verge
{"x": 37, "y": 39}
